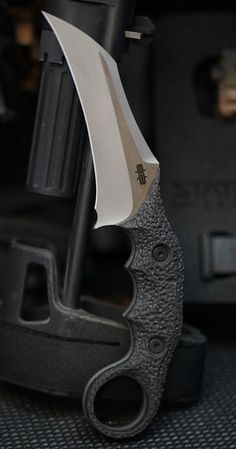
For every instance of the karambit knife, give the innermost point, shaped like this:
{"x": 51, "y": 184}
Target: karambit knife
{"x": 128, "y": 195}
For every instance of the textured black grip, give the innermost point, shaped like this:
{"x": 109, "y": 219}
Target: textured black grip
{"x": 154, "y": 316}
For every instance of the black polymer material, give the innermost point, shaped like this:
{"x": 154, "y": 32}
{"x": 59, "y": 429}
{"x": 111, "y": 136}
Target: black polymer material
{"x": 156, "y": 312}
{"x": 31, "y": 421}
{"x": 57, "y": 145}
{"x": 105, "y": 20}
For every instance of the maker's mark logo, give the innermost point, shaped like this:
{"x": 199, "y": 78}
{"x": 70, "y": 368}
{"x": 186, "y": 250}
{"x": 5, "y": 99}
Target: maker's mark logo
{"x": 141, "y": 174}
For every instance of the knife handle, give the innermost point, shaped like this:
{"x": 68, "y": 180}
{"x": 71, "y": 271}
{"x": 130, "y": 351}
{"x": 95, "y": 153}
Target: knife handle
{"x": 154, "y": 316}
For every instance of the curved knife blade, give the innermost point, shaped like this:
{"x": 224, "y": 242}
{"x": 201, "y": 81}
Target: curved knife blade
{"x": 124, "y": 165}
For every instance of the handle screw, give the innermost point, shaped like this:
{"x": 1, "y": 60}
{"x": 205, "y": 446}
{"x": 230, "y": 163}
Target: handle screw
{"x": 156, "y": 345}
{"x": 161, "y": 252}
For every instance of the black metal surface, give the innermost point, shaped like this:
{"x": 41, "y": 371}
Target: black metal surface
{"x": 84, "y": 218}
{"x": 57, "y": 145}
{"x": 103, "y": 20}
{"x": 32, "y": 421}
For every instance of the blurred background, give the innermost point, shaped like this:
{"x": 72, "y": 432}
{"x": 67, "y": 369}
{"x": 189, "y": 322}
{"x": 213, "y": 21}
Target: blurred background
{"x": 182, "y": 90}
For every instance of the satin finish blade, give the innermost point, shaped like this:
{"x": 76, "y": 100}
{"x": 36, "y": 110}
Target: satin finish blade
{"x": 124, "y": 165}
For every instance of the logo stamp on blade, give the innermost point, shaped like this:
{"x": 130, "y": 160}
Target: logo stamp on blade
{"x": 141, "y": 174}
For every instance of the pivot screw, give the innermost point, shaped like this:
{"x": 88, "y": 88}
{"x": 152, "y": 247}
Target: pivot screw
{"x": 156, "y": 345}
{"x": 161, "y": 253}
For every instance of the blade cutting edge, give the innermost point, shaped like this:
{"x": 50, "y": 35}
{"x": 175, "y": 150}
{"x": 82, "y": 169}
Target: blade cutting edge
{"x": 124, "y": 165}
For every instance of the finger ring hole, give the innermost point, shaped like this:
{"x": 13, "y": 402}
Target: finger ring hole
{"x": 119, "y": 402}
